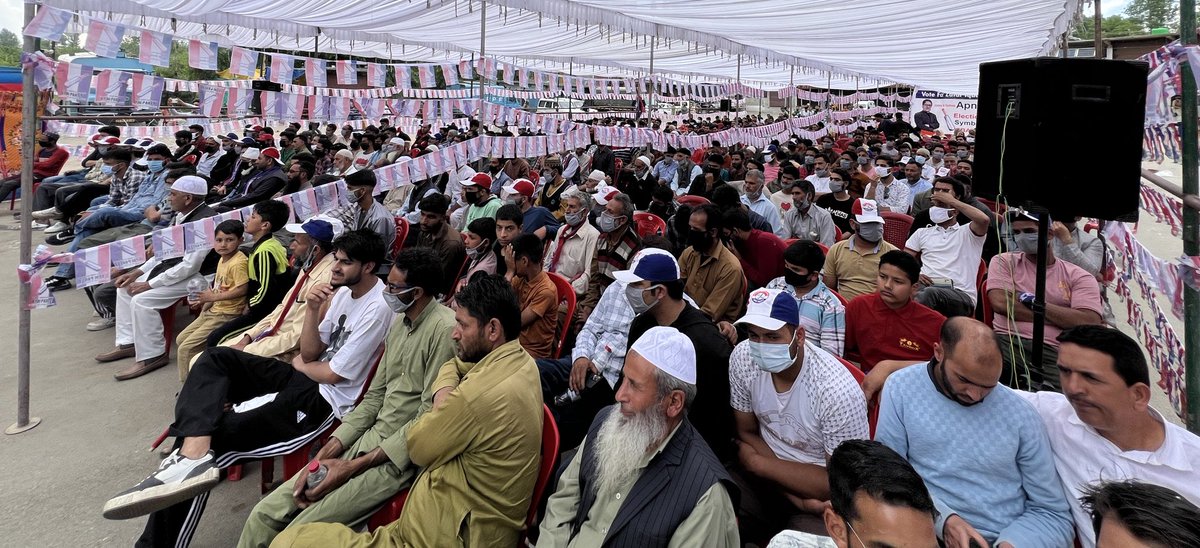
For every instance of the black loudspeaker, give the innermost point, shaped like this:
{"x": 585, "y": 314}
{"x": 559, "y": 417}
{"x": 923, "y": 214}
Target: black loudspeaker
{"x": 265, "y": 85}
{"x": 1062, "y": 134}
{"x": 726, "y": 105}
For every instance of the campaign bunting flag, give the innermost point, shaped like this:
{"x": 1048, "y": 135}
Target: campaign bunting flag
{"x": 104, "y": 37}
{"x": 155, "y": 48}
{"x": 268, "y": 103}
{"x": 304, "y": 204}
{"x": 198, "y": 235}
{"x": 339, "y": 108}
{"x": 147, "y": 91}
{"x": 242, "y": 61}
{"x": 92, "y": 266}
{"x": 48, "y": 24}
{"x": 376, "y": 75}
{"x": 316, "y": 72}
{"x": 510, "y": 73}
{"x": 450, "y": 74}
{"x": 129, "y": 252}
{"x": 465, "y": 70}
{"x": 318, "y": 107}
{"x": 239, "y": 101}
{"x": 202, "y": 55}
{"x": 74, "y": 82}
{"x": 282, "y": 68}
{"x": 425, "y": 76}
{"x": 111, "y": 88}
{"x": 289, "y": 106}
{"x": 523, "y": 78}
{"x": 347, "y": 72}
{"x": 211, "y": 99}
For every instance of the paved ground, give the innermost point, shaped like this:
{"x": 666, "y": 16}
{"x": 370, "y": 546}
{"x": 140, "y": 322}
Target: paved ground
{"x": 95, "y": 431}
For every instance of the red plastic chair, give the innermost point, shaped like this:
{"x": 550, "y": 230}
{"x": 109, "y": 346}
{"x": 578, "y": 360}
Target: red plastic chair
{"x": 873, "y": 405}
{"x": 13, "y": 197}
{"x": 566, "y": 295}
{"x": 985, "y": 304}
{"x": 649, "y": 223}
{"x": 896, "y": 227}
{"x": 391, "y": 510}
{"x": 980, "y": 296}
{"x": 839, "y": 296}
{"x": 692, "y": 201}
{"x": 401, "y": 235}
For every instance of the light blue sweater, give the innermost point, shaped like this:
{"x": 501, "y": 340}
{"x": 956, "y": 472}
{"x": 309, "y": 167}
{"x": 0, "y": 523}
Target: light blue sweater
{"x": 990, "y": 463}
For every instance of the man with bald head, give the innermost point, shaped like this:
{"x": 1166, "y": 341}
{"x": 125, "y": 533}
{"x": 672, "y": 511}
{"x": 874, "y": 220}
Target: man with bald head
{"x": 981, "y": 448}
{"x": 644, "y": 476}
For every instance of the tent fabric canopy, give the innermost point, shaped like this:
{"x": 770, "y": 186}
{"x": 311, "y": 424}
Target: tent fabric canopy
{"x": 927, "y": 43}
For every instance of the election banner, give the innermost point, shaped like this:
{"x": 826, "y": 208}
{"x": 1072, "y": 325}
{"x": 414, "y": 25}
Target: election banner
{"x": 942, "y": 113}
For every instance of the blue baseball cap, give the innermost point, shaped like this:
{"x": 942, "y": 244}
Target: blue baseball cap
{"x": 250, "y": 142}
{"x": 652, "y": 265}
{"x": 771, "y": 309}
{"x": 321, "y": 228}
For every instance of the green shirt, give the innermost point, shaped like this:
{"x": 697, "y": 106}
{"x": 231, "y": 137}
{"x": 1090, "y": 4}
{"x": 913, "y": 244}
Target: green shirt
{"x": 711, "y": 523}
{"x": 488, "y": 209}
{"x": 401, "y": 390}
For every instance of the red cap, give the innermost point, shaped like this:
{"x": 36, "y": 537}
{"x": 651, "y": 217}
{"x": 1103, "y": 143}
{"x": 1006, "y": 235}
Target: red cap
{"x": 480, "y": 179}
{"x": 314, "y": 466}
{"x": 521, "y": 186}
{"x": 271, "y": 152}
{"x": 102, "y": 139}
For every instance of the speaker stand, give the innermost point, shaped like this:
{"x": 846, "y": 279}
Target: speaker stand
{"x": 1039, "y": 296}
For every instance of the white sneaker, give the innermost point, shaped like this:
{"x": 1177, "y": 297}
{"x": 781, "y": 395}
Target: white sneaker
{"x": 101, "y": 324}
{"x": 48, "y": 213}
{"x": 38, "y": 226}
{"x": 56, "y": 228}
{"x": 177, "y": 479}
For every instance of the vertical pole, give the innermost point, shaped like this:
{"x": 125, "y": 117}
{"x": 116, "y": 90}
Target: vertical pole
{"x": 570, "y": 76}
{"x": 792, "y": 90}
{"x": 482, "y": 53}
{"x": 28, "y": 129}
{"x": 1097, "y": 19}
{"x": 736, "y": 108}
{"x": 1191, "y": 222}
{"x": 650, "y": 100}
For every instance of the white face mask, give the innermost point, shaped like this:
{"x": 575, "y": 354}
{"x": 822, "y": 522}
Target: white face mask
{"x": 772, "y": 357}
{"x": 882, "y": 171}
{"x": 939, "y": 215}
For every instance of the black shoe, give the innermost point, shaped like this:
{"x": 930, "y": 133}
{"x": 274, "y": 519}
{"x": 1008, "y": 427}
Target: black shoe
{"x": 58, "y": 283}
{"x": 61, "y": 238}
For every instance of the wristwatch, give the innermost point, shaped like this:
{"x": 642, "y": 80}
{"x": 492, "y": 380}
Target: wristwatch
{"x": 1026, "y": 299}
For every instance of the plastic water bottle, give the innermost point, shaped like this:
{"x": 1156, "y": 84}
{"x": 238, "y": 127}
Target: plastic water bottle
{"x": 194, "y": 288}
{"x": 316, "y": 473}
{"x": 572, "y": 396}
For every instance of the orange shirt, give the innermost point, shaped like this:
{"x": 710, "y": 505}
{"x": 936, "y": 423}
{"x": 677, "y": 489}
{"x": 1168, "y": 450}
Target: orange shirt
{"x": 539, "y": 296}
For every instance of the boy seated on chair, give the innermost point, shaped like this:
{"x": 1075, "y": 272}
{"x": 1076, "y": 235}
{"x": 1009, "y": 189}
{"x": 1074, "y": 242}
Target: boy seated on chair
{"x": 367, "y": 456}
{"x": 535, "y": 292}
{"x": 283, "y": 405}
{"x": 220, "y": 303}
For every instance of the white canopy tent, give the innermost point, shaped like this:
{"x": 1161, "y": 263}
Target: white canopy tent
{"x": 926, "y": 43}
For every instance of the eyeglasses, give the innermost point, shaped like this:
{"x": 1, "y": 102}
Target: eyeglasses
{"x": 396, "y": 289}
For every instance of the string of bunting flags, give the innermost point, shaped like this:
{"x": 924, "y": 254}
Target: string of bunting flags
{"x": 1134, "y": 265}
{"x": 94, "y": 265}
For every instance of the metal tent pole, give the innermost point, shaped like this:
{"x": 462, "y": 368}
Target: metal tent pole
{"x": 650, "y": 100}
{"x": 28, "y": 129}
{"x": 1191, "y": 222}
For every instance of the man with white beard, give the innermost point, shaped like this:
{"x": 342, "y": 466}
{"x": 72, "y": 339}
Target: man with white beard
{"x": 673, "y": 492}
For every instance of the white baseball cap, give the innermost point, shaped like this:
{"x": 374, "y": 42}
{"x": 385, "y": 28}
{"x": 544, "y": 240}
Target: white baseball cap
{"x": 771, "y": 309}
{"x": 670, "y": 351}
{"x": 866, "y": 211}
{"x": 251, "y": 153}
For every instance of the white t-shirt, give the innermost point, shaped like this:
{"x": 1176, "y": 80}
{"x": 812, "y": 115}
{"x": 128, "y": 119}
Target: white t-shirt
{"x": 949, "y": 253}
{"x": 353, "y": 329}
{"x": 1083, "y": 458}
{"x": 820, "y": 184}
{"x": 823, "y": 408}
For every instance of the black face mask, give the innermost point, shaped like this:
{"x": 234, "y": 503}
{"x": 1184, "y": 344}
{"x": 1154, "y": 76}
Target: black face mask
{"x": 659, "y": 209}
{"x": 701, "y": 240}
{"x": 796, "y": 280}
{"x": 45, "y": 144}
{"x": 471, "y": 197}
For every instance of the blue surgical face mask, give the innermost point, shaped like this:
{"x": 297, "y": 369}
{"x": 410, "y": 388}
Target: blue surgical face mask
{"x": 772, "y": 357}
{"x": 154, "y": 166}
{"x": 920, "y": 160}
{"x": 106, "y": 169}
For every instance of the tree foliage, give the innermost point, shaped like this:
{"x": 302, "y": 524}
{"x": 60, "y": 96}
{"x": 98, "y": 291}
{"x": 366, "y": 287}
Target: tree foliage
{"x": 1113, "y": 26}
{"x": 1150, "y": 14}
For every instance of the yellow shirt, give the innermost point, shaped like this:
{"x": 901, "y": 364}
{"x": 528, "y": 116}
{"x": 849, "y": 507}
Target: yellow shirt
{"x": 853, "y": 272}
{"x": 232, "y": 271}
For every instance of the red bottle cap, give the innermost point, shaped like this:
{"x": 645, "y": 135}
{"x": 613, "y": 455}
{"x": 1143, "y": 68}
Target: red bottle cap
{"x": 314, "y": 466}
